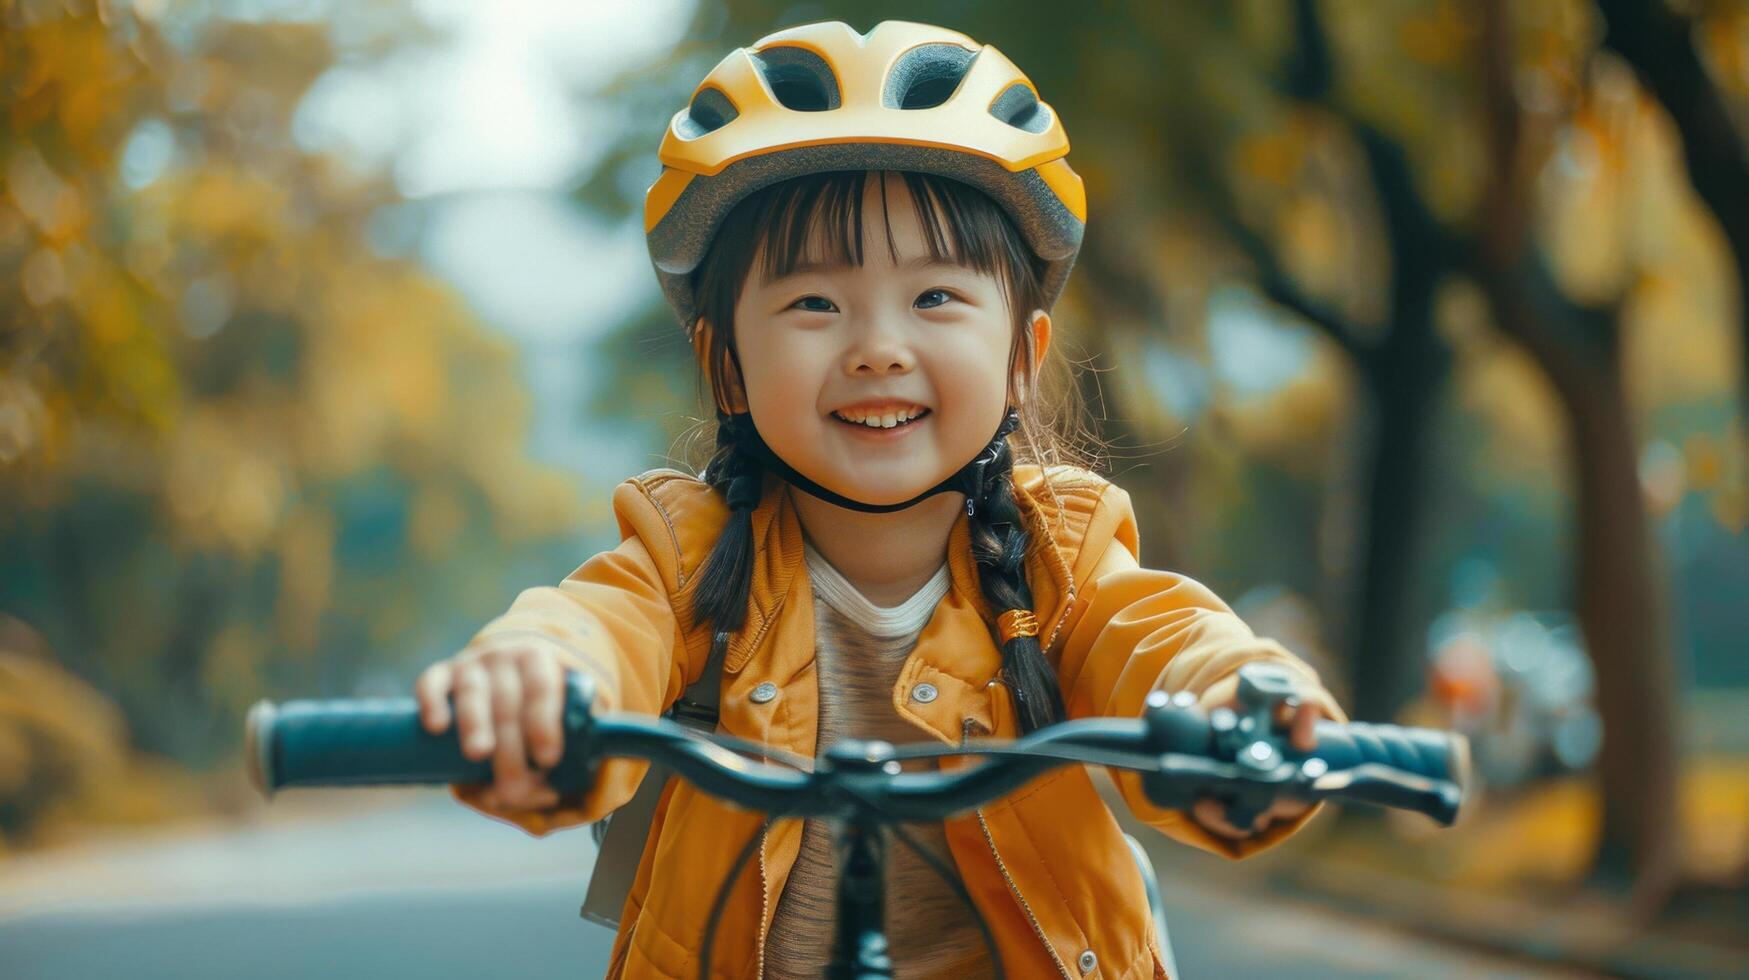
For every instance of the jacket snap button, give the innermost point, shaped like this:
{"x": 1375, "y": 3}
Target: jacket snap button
{"x": 763, "y": 693}
{"x": 1088, "y": 961}
{"x": 923, "y": 693}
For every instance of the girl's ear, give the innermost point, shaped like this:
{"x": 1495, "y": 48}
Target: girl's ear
{"x": 1038, "y": 330}
{"x": 1041, "y": 338}
{"x": 729, "y": 395}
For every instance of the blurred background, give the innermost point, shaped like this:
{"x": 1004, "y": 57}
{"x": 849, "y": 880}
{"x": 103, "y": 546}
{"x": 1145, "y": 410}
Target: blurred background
{"x": 1417, "y": 330}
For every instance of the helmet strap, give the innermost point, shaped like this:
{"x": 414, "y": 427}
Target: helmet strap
{"x": 969, "y": 479}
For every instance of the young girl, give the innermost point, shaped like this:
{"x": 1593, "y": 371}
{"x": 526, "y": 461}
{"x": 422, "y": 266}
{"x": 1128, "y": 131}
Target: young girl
{"x": 863, "y": 237}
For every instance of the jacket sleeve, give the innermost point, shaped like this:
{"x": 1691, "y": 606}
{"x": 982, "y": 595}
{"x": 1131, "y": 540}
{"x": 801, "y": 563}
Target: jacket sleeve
{"x": 1136, "y": 630}
{"x": 613, "y": 619}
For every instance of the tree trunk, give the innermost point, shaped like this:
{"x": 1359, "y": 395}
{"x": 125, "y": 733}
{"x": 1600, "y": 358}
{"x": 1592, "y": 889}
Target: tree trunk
{"x": 1406, "y": 373}
{"x": 1620, "y": 610}
{"x": 1386, "y": 668}
{"x": 1619, "y": 603}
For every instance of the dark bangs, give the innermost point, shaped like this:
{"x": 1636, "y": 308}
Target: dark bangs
{"x": 819, "y": 219}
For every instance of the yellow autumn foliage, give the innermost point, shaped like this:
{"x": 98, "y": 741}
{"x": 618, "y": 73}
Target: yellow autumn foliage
{"x": 65, "y": 758}
{"x": 242, "y": 450}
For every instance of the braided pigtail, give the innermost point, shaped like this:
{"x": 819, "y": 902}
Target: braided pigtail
{"x": 727, "y": 578}
{"x": 999, "y": 543}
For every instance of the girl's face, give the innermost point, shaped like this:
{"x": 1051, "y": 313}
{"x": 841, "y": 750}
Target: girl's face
{"x": 835, "y": 357}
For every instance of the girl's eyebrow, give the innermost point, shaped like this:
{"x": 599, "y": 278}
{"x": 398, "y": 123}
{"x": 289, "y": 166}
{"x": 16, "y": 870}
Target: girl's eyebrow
{"x": 920, "y": 262}
{"x": 935, "y": 262}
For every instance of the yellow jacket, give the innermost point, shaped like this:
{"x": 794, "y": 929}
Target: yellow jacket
{"x": 1048, "y": 868}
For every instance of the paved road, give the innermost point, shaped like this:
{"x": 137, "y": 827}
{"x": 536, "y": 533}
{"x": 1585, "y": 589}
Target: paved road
{"x": 412, "y": 885}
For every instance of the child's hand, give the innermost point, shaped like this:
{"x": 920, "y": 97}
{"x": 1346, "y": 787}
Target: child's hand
{"x": 509, "y": 703}
{"x": 1300, "y": 719}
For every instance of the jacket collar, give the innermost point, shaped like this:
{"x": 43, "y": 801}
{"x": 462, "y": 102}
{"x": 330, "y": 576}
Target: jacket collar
{"x": 777, "y": 530}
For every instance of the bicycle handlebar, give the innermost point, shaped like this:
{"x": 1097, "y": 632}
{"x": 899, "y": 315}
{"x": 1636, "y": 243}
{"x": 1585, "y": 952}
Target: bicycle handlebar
{"x": 1181, "y": 752}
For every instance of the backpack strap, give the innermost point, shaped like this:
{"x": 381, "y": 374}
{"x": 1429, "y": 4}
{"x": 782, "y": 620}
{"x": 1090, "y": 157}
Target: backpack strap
{"x": 621, "y": 836}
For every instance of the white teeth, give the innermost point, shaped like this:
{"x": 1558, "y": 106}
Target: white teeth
{"x": 885, "y": 420}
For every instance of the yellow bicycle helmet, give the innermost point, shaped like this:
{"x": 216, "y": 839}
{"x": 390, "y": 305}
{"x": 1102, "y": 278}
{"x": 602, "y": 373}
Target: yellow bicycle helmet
{"x": 822, "y": 97}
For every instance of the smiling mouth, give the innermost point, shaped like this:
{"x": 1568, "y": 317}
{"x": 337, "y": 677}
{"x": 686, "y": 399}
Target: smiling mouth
{"x": 874, "y": 424}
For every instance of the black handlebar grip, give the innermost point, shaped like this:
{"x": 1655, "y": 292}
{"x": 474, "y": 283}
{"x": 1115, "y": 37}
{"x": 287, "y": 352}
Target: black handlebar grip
{"x": 379, "y": 742}
{"x": 373, "y": 742}
{"x": 1426, "y": 752}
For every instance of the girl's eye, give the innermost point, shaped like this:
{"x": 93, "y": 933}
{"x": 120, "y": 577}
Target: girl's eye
{"x": 932, "y": 298}
{"x": 814, "y": 304}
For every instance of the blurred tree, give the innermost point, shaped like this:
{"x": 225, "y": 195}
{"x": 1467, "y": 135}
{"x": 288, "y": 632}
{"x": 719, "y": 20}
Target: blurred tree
{"x": 1620, "y": 596}
{"x": 1402, "y": 361}
{"x": 1661, "y": 45}
{"x": 244, "y": 446}
{"x": 1619, "y": 593}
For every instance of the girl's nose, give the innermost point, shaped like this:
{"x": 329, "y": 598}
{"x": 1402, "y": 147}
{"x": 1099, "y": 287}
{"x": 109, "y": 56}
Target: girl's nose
{"x": 878, "y": 349}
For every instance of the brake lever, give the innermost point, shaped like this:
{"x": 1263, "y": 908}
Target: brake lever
{"x": 1245, "y": 790}
{"x": 1374, "y": 783}
{"x": 576, "y": 769}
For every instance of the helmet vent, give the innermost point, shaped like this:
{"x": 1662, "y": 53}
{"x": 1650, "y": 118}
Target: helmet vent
{"x": 799, "y": 78}
{"x": 1019, "y": 107}
{"x": 710, "y": 111}
{"x": 926, "y": 76}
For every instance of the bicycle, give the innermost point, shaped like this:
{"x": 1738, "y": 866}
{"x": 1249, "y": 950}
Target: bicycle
{"x": 1181, "y": 752}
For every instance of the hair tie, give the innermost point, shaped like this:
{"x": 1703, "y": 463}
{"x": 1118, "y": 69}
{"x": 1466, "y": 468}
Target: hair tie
{"x": 744, "y": 490}
{"x": 746, "y": 483}
{"x": 1015, "y": 623}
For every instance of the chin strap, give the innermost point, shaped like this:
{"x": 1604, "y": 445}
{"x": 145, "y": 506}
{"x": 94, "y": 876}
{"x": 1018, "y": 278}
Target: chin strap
{"x": 968, "y": 480}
